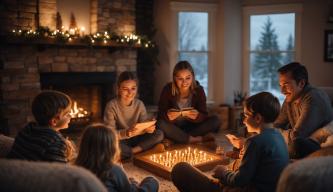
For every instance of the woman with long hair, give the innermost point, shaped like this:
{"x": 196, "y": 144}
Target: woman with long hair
{"x": 183, "y": 115}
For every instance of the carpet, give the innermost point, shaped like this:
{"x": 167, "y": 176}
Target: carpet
{"x": 138, "y": 174}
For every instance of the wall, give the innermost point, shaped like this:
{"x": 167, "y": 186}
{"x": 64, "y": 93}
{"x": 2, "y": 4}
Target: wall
{"x": 146, "y": 58}
{"x": 115, "y": 15}
{"x": 79, "y": 8}
{"x": 230, "y": 51}
{"x": 229, "y": 32}
{"x": 163, "y": 39}
{"x": 314, "y": 24}
{"x": 25, "y": 14}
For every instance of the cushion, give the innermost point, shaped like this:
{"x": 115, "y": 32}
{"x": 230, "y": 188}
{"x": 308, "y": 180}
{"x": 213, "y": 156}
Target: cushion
{"x": 325, "y": 151}
{"x": 323, "y": 135}
{"x": 310, "y": 174}
{"x": 6, "y": 144}
{"x": 28, "y": 176}
{"x": 329, "y": 91}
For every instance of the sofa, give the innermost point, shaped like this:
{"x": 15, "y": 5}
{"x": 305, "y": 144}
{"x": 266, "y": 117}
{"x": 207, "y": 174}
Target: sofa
{"x": 324, "y": 135}
{"x": 28, "y": 176}
{"x": 6, "y": 144}
{"x": 329, "y": 91}
{"x": 309, "y": 174}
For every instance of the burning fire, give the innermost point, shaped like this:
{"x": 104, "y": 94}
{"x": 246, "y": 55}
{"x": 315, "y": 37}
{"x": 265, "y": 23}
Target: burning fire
{"x": 78, "y": 112}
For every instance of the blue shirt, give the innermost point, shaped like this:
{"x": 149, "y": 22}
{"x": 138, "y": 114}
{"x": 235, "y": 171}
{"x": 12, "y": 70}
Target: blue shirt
{"x": 265, "y": 157}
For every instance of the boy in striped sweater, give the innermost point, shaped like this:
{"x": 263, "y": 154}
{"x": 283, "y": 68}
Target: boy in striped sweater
{"x": 41, "y": 140}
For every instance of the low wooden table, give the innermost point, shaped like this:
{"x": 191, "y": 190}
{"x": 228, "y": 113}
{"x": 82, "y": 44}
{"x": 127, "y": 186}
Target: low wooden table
{"x": 162, "y": 163}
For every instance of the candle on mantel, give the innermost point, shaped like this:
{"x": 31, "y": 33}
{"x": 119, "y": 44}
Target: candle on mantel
{"x": 82, "y": 30}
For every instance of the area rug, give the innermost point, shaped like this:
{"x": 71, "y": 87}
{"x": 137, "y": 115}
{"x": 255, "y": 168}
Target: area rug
{"x": 165, "y": 185}
{"x": 138, "y": 174}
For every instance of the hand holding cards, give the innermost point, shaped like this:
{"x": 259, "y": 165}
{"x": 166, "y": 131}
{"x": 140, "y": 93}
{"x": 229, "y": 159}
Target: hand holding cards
{"x": 141, "y": 127}
{"x": 183, "y": 111}
{"x": 237, "y": 142}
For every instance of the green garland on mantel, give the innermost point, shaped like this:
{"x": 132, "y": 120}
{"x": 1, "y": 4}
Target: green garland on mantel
{"x": 76, "y": 37}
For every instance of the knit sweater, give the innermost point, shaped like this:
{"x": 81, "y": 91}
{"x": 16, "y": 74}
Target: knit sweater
{"x": 309, "y": 112}
{"x": 38, "y": 143}
{"x": 121, "y": 117}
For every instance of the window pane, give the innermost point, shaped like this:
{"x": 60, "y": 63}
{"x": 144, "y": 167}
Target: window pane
{"x": 272, "y": 40}
{"x": 193, "y": 31}
{"x": 199, "y": 63}
{"x": 264, "y": 75}
{"x": 272, "y": 31}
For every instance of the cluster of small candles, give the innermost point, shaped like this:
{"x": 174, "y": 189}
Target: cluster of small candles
{"x": 78, "y": 34}
{"x": 190, "y": 155}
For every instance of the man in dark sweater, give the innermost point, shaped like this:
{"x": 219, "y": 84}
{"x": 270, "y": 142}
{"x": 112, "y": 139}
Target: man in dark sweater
{"x": 42, "y": 141}
{"x": 265, "y": 155}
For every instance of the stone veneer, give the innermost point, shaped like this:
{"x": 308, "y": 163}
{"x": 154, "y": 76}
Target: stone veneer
{"x": 20, "y": 64}
{"x": 116, "y": 15}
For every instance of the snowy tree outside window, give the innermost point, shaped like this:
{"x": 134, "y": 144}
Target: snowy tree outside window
{"x": 272, "y": 42}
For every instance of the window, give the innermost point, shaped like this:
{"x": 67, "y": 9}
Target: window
{"x": 193, "y": 36}
{"x": 193, "y": 43}
{"x": 271, "y": 38}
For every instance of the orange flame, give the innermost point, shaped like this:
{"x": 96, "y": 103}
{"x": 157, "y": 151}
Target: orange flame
{"x": 78, "y": 112}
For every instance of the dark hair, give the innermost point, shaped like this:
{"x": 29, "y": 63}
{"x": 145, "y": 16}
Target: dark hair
{"x": 182, "y": 65}
{"x": 265, "y": 104}
{"x": 125, "y": 76}
{"x": 298, "y": 71}
{"x": 98, "y": 149}
{"x": 48, "y": 104}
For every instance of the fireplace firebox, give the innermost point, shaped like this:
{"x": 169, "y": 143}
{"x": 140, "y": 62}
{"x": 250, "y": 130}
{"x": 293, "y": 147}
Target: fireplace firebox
{"x": 89, "y": 90}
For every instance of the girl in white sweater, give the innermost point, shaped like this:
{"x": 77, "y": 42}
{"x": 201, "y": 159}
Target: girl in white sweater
{"x": 124, "y": 112}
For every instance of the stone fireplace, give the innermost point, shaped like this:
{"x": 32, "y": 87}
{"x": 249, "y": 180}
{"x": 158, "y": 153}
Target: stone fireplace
{"x": 83, "y": 73}
{"x": 27, "y": 68}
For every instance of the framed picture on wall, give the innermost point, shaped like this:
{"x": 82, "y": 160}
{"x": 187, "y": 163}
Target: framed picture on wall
{"x": 328, "y": 56}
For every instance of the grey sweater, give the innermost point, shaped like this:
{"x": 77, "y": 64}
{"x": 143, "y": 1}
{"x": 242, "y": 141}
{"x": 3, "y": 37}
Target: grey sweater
{"x": 311, "y": 111}
{"x": 121, "y": 117}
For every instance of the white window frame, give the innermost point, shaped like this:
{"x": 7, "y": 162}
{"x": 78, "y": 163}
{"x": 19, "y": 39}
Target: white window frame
{"x": 261, "y": 10}
{"x": 209, "y": 8}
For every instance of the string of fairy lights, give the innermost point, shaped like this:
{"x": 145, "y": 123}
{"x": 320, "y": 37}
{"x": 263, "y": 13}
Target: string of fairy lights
{"x": 77, "y": 35}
